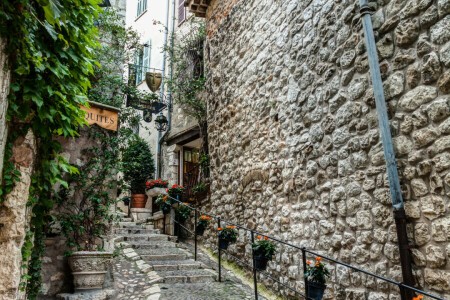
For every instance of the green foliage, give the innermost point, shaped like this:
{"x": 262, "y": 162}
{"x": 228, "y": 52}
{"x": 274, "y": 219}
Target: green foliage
{"x": 85, "y": 214}
{"x": 188, "y": 78}
{"x": 203, "y": 222}
{"x": 10, "y": 174}
{"x": 50, "y": 46}
{"x": 183, "y": 212}
{"x": 199, "y": 188}
{"x": 229, "y": 234}
{"x": 175, "y": 191}
{"x": 318, "y": 272}
{"x": 164, "y": 204}
{"x": 137, "y": 165}
{"x": 264, "y": 248}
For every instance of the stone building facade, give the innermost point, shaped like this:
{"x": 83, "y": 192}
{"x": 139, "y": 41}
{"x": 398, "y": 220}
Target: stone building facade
{"x": 294, "y": 139}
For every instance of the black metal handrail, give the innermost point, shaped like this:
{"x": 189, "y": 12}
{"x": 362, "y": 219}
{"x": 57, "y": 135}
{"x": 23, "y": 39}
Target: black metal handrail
{"x": 400, "y": 285}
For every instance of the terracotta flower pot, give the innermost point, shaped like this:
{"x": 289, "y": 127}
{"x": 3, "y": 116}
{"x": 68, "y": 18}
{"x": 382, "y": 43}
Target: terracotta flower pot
{"x": 89, "y": 269}
{"x": 138, "y": 200}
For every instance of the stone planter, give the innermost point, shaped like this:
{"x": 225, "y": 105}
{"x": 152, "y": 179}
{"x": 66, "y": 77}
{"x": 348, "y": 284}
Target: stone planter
{"x": 155, "y": 192}
{"x": 89, "y": 269}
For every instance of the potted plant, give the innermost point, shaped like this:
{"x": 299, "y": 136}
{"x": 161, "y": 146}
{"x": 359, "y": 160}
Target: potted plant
{"x": 200, "y": 191}
{"x": 85, "y": 214}
{"x": 183, "y": 212}
{"x": 174, "y": 191}
{"x": 164, "y": 204}
{"x": 263, "y": 250}
{"x": 226, "y": 236}
{"x": 316, "y": 278}
{"x": 202, "y": 224}
{"x": 159, "y": 183}
{"x": 138, "y": 166}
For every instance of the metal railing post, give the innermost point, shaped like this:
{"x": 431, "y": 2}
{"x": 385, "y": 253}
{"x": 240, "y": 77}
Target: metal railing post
{"x": 218, "y": 240}
{"x": 195, "y": 235}
{"x": 304, "y": 272}
{"x": 255, "y": 282}
{"x": 164, "y": 224}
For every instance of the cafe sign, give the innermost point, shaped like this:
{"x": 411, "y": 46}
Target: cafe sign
{"x": 103, "y": 115}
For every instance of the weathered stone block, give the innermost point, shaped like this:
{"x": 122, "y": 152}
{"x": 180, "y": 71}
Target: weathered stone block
{"x": 439, "y": 32}
{"x": 433, "y": 206}
{"x": 435, "y": 256}
{"x": 421, "y": 234}
{"x": 416, "y": 97}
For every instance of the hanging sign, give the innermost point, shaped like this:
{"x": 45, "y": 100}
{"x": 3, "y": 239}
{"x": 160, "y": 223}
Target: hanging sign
{"x": 105, "y": 118}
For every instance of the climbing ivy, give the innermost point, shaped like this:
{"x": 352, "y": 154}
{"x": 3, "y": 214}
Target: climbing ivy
{"x": 50, "y": 44}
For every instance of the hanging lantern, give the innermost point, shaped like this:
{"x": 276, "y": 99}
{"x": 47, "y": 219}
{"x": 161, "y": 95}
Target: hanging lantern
{"x": 161, "y": 123}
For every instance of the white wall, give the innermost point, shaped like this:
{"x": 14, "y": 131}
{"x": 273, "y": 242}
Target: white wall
{"x": 144, "y": 24}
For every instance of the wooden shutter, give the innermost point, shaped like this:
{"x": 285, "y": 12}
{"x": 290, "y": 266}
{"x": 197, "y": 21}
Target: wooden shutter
{"x": 181, "y": 12}
{"x": 144, "y": 5}
{"x": 146, "y": 59}
{"x": 138, "y": 8}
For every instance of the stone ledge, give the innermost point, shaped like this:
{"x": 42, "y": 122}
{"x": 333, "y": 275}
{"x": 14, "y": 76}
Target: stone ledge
{"x": 141, "y": 210}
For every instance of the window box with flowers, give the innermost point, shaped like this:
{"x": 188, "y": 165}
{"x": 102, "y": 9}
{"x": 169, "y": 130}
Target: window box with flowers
{"x": 175, "y": 191}
{"x": 159, "y": 183}
{"x": 263, "y": 250}
{"x": 316, "y": 277}
{"x": 227, "y": 236}
{"x": 164, "y": 204}
{"x": 202, "y": 224}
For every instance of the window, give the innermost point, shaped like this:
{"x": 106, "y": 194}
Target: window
{"x": 181, "y": 12}
{"x": 142, "y": 61}
{"x": 141, "y": 7}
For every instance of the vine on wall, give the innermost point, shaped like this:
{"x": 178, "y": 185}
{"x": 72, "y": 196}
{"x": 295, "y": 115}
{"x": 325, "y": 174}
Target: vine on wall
{"x": 50, "y": 46}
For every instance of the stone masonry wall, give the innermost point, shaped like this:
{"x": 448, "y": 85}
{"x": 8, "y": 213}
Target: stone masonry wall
{"x": 5, "y": 76}
{"x": 294, "y": 138}
{"x": 14, "y": 218}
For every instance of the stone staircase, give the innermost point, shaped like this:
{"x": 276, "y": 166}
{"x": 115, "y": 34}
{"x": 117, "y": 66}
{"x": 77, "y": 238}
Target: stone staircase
{"x": 159, "y": 256}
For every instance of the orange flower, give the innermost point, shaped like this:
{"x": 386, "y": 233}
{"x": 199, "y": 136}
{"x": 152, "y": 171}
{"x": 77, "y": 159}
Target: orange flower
{"x": 185, "y": 203}
{"x": 317, "y": 264}
{"x": 308, "y": 262}
{"x": 258, "y": 237}
{"x": 220, "y": 228}
{"x": 318, "y": 258}
{"x": 266, "y": 238}
{"x": 233, "y": 227}
{"x": 208, "y": 218}
{"x": 420, "y": 297}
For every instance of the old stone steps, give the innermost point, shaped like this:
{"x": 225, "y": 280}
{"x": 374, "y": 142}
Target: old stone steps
{"x": 188, "y": 276}
{"x": 126, "y": 230}
{"x": 145, "y": 237}
{"x": 150, "y": 244}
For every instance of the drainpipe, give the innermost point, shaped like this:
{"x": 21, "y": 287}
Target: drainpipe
{"x": 391, "y": 166}
{"x": 166, "y": 32}
{"x": 169, "y": 95}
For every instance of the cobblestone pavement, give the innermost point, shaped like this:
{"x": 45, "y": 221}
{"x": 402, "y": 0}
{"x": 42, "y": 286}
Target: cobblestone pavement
{"x": 130, "y": 283}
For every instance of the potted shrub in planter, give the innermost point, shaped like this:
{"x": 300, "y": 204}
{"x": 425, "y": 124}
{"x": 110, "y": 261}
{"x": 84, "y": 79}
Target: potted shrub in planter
{"x": 202, "y": 224}
{"x": 183, "y": 212}
{"x": 137, "y": 167}
{"x": 316, "y": 278}
{"x": 227, "y": 236}
{"x": 174, "y": 191}
{"x": 85, "y": 216}
{"x": 164, "y": 204}
{"x": 263, "y": 250}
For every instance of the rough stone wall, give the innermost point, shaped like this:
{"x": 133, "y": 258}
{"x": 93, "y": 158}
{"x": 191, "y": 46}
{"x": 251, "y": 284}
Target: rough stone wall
{"x": 294, "y": 138}
{"x": 5, "y": 76}
{"x": 14, "y": 218}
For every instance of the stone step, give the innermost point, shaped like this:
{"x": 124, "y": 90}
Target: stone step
{"x": 160, "y": 254}
{"x": 151, "y": 245}
{"x": 188, "y": 276}
{"x": 145, "y": 237}
{"x": 173, "y": 265}
{"x": 127, "y": 231}
{"x": 129, "y": 225}
{"x": 159, "y": 257}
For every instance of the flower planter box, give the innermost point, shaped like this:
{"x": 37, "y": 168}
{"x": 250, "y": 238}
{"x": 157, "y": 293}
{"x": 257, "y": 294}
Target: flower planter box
{"x": 261, "y": 262}
{"x": 223, "y": 244}
{"x": 200, "y": 230}
{"x": 315, "y": 290}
